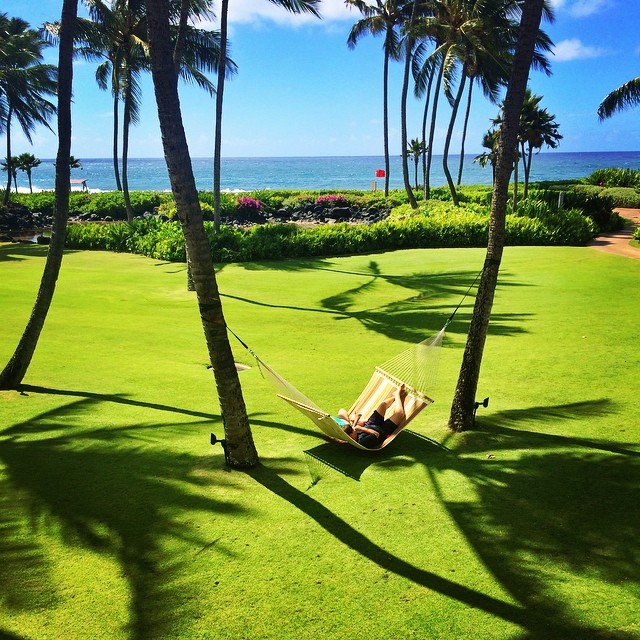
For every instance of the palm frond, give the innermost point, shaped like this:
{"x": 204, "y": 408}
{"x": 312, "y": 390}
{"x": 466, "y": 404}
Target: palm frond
{"x": 628, "y": 95}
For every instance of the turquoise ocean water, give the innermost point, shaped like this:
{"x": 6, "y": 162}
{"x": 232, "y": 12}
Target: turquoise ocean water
{"x": 334, "y": 173}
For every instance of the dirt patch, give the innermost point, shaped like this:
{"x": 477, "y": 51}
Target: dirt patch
{"x": 619, "y": 242}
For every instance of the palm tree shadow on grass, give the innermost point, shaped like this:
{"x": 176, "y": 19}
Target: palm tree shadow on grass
{"x": 568, "y": 506}
{"x": 101, "y": 490}
{"x": 414, "y": 317}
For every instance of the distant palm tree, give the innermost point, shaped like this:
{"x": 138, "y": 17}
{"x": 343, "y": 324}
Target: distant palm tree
{"x": 10, "y": 165}
{"x": 537, "y": 128}
{"x": 25, "y": 82}
{"x": 117, "y": 35}
{"x": 490, "y": 142}
{"x": 381, "y": 18}
{"x": 627, "y": 95}
{"x": 27, "y": 162}
{"x": 416, "y": 150}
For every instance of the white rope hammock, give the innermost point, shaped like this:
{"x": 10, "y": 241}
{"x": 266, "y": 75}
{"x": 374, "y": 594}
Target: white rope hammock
{"x": 415, "y": 368}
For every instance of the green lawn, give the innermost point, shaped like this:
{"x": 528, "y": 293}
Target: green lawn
{"x": 119, "y": 520}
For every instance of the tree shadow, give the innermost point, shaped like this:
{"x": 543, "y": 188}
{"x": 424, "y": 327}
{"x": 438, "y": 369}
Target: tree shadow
{"x": 103, "y": 490}
{"x": 569, "y": 505}
{"x": 15, "y": 251}
{"x": 416, "y": 316}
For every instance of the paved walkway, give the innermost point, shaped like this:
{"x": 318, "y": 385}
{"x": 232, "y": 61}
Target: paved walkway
{"x": 618, "y": 241}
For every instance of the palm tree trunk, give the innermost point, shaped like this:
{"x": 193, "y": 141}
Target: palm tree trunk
{"x": 403, "y": 109}
{"x": 7, "y": 192}
{"x": 461, "y": 417}
{"x": 385, "y": 118}
{"x": 126, "y": 124}
{"x": 217, "y": 144}
{"x": 425, "y": 116}
{"x": 464, "y": 132}
{"x": 116, "y": 128}
{"x": 240, "y": 450}
{"x": 447, "y": 142}
{"x": 432, "y": 131}
{"x": 15, "y": 370}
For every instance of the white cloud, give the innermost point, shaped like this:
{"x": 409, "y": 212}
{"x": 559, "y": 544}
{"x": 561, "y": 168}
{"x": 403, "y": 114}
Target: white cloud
{"x": 581, "y": 8}
{"x": 259, "y": 11}
{"x": 574, "y": 49}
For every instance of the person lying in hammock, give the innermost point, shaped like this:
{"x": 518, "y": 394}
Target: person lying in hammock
{"x": 385, "y": 419}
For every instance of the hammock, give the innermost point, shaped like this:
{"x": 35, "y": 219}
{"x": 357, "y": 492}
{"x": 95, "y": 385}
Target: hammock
{"x": 414, "y": 367}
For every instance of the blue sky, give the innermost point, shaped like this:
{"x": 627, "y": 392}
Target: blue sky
{"x": 301, "y": 92}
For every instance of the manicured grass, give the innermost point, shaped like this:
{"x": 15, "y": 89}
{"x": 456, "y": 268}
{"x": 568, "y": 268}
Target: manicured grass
{"x": 119, "y": 520}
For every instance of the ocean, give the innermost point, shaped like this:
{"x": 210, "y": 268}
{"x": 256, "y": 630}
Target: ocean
{"x": 332, "y": 173}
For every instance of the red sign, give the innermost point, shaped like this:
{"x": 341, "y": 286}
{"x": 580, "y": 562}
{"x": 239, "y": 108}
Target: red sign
{"x": 380, "y": 173}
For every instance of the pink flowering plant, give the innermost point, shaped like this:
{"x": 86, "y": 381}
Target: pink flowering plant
{"x": 331, "y": 200}
{"x": 249, "y": 205}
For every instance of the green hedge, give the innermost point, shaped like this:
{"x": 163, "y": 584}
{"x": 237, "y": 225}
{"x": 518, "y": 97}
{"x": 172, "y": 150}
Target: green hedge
{"x": 435, "y": 224}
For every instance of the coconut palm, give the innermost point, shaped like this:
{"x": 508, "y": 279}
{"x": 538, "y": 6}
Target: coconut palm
{"x": 116, "y": 33}
{"x": 382, "y": 18}
{"x": 15, "y": 370}
{"x": 462, "y": 409}
{"x": 239, "y": 449}
{"x": 490, "y": 142}
{"x": 627, "y": 95}
{"x": 537, "y": 128}
{"x": 416, "y": 151}
{"x": 27, "y": 162}
{"x": 10, "y": 165}
{"x": 25, "y": 82}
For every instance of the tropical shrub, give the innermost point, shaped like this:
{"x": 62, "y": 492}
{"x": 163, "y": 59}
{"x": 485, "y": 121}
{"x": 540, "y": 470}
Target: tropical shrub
{"x": 615, "y": 177}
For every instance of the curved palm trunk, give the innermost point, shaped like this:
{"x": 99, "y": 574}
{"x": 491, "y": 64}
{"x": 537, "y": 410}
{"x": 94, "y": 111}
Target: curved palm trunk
{"x": 464, "y": 132}
{"x": 425, "y": 117}
{"x": 240, "y": 450}
{"x": 29, "y": 178}
{"x": 126, "y": 125}
{"x": 403, "y": 110}
{"x": 7, "y": 193}
{"x": 385, "y": 119}
{"x": 15, "y": 370}
{"x": 461, "y": 417}
{"x": 447, "y": 143}
{"x": 116, "y": 128}
{"x": 432, "y": 131}
{"x": 217, "y": 144}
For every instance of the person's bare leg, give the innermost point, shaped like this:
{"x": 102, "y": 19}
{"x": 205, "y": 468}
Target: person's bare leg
{"x": 396, "y": 411}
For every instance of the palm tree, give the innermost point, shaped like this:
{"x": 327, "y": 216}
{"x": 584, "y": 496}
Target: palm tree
{"x": 381, "y": 18}
{"x": 627, "y": 95}
{"x": 490, "y": 142}
{"x": 416, "y": 150}
{"x": 294, "y": 6}
{"x": 537, "y": 128}
{"x": 15, "y": 370}
{"x": 240, "y": 449}
{"x": 25, "y": 82}
{"x": 10, "y": 165}
{"x": 27, "y": 162}
{"x": 117, "y": 34}
{"x": 462, "y": 409}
